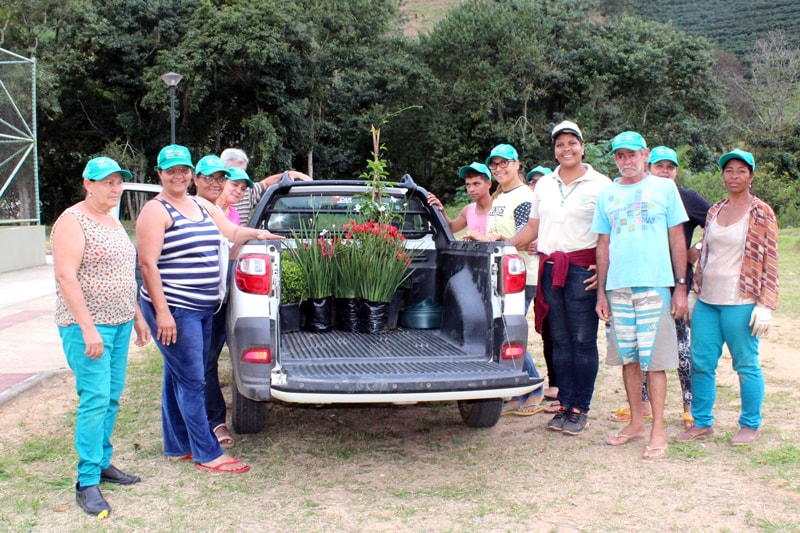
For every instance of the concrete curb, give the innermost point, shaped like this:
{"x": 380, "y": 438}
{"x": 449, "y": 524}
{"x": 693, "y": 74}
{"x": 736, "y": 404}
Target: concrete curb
{"x": 27, "y": 384}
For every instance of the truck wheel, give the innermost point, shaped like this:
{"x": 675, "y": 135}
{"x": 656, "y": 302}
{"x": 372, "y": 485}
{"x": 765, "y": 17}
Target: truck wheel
{"x": 247, "y": 415}
{"x": 481, "y": 413}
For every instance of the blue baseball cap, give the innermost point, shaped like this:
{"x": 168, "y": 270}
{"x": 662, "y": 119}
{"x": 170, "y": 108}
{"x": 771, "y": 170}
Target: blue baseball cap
{"x": 662, "y": 153}
{"x": 238, "y": 173}
{"x": 506, "y": 151}
{"x": 174, "y": 155}
{"x": 544, "y": 171}
{"x": 629, "y": 140}
{"x": 210, "y": 164}
{"x": 747, "y": 157}
{"x": 102, "y": 167}
{"x": 480, "y": 168}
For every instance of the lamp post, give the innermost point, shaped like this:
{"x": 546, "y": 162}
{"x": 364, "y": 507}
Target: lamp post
{"x": 172, "y": 79}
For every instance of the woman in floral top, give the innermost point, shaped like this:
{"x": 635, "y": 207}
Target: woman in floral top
{"x": 95, "y": 311}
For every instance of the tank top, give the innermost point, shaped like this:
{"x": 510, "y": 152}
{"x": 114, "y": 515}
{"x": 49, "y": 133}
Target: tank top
{"x": 476, "y": 222}
{"x": 189, "y": 263}
{"x": 106, "y": 273}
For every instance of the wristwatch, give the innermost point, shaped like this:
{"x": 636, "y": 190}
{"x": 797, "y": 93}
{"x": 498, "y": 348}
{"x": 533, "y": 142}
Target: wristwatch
{"x": 698, "y": 245}
{"x": 680, "y": 281}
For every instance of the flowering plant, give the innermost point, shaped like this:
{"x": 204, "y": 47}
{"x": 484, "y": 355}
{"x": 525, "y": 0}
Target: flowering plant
{"x": 382, "y": 256}
{"x": 315, "y": 259}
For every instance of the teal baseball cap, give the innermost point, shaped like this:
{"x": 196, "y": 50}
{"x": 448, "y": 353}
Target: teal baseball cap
{"x": 102, "y": 167}
{"x": 480, "y": 168}
{"x": 747, "y": 157}
{"x": 210, "y": 164}
{"x": 544, "y": 171}
{"x": 174, "y": 155}
{"x": 662, "y": 153}
{"x": 506, "y": 151}
{"x": 629, "y": 140}
{"x": 237, "y": 174}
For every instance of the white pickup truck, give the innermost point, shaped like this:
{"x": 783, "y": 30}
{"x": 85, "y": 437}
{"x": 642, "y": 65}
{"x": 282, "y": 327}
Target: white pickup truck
{"x": 474, "y": 357}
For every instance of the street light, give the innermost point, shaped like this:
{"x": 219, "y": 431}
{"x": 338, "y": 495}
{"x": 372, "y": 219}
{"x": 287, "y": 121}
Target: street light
{"x": 172, "y": 79}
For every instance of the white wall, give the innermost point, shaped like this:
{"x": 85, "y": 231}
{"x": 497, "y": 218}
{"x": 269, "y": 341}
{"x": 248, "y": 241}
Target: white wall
{"x": 21, "y": 247}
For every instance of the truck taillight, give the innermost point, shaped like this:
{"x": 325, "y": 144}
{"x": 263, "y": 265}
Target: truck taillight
{"x": 257, "y": 355}
{"x": 253, "y": 273}
{"x": 514, "y": 273}
{"x": 513, "y": 351}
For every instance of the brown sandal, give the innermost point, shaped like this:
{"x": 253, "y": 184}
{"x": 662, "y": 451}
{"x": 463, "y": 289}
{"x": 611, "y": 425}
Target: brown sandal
{"x": 224, "y": 436}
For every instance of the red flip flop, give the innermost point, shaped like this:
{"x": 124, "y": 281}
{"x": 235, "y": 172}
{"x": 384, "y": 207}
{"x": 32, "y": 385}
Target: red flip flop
{"x": 220, "y": 468}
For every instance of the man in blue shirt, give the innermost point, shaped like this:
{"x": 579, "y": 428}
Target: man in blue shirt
{"x": 641, "y": 254}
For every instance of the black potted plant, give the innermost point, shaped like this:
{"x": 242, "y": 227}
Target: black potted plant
{"x": 294, "y": 289}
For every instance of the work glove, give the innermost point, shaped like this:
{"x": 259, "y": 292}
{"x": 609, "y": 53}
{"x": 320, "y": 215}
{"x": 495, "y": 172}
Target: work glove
{"x": 692, "y": 297}
{"x": 760, "y": 320}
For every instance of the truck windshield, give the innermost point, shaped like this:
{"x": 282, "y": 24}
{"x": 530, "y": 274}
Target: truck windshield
{"x": 320, "y": 211}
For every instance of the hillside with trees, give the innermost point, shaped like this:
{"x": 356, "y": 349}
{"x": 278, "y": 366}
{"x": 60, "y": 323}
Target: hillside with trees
{"x": 297, "y": 83}
{"x": 733, "y": 25}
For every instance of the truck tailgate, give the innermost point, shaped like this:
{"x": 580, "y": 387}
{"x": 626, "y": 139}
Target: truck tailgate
{"x": 397, "y": 362}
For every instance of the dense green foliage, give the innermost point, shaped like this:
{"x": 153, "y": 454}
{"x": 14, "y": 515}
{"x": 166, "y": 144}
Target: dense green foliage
{"x": 298, "y": 83}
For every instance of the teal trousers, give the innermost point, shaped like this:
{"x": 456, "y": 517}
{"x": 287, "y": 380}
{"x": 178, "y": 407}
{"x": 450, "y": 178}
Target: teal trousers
{"x": 99, "y": 383}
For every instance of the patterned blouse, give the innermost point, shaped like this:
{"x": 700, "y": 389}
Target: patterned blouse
{"x": 758, "y": 278}
{"x": 106, "y": 273}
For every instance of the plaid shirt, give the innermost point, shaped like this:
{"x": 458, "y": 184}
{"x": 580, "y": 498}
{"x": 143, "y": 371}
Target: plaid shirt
{"x": 758, "y": 278}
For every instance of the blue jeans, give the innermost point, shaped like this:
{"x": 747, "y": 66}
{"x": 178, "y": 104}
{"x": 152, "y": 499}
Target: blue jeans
{"x": 99, "y": 383}
{"x": 572, "y": 322}
{"x": 215, "y": 403}
{"x": 183, "y": 404}
{"x": 713, "y": 325}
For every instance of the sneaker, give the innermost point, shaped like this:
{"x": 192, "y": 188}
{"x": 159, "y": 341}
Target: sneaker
{"x": 557, "y": 422}
{"x": 576, "y": 422}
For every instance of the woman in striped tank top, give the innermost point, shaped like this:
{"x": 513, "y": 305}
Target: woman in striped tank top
{"x": 179, "y": 238}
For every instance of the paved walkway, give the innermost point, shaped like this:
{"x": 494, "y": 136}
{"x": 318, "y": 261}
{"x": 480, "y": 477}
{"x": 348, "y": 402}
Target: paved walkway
{"x": 30, "y": 348}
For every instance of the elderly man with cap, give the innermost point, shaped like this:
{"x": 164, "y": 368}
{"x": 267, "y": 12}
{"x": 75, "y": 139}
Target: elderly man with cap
{"x": 641, "y": 255}
{"x": 561, "y": 218}
{"x": 663, "y": 162}
{"x": 478, "y": 182}
{"x": 235, "y": 157}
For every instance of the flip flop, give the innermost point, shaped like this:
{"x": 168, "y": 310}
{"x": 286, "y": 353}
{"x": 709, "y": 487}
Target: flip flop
{"x": 180, "y": 458}
{"x": 620, "y": 438}
{"x": 694, "y": 433}
{"x": 623, "y": 415}
{"x": 509, "y": 411}
{"x": 529, "y": 410}
{"x": 223, "y": 436}
{"x": 220, "y": 468}
{"x": 652, "y": 453}
{"x": 553, "y": 407}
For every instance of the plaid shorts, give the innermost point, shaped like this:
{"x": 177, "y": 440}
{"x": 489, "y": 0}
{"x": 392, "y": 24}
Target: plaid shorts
{"x": 642, "y": 328}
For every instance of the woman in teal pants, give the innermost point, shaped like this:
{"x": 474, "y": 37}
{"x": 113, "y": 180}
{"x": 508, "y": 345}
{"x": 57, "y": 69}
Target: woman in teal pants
{"x": 96, "y": 310}
{"x": 736, "y": 291}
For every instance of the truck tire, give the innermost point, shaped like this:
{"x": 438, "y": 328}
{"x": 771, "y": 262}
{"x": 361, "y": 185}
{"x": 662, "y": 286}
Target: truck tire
{"x": 481, "y": 413}
{"x": 247, "y": 415}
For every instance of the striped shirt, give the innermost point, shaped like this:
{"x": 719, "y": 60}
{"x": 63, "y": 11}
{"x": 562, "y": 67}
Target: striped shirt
{"x": 189, "y": 263}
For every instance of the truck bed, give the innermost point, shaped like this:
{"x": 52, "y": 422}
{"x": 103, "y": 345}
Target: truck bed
{"x": 399, "y": 361}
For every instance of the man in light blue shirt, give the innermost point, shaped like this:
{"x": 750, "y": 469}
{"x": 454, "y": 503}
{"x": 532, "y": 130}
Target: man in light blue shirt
{"x": 641, "y": 253}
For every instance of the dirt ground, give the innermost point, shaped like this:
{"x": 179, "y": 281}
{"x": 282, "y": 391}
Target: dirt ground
{"x": 418, "y": 468}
